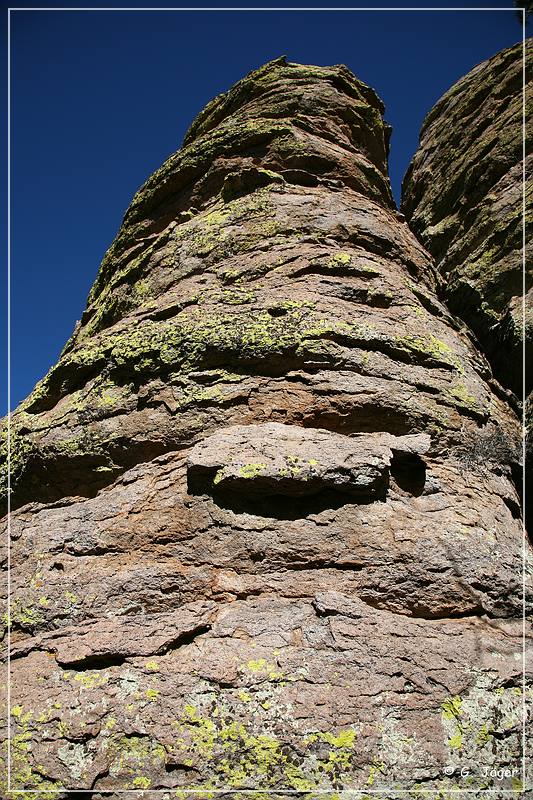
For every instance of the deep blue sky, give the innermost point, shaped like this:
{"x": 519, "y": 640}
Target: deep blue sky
{"x": 100, "y": 99}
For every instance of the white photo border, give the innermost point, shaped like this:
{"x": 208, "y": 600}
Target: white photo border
{"x": 345, "y": 9}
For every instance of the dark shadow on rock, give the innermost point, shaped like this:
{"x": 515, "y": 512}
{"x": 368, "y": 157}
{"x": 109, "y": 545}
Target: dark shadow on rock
{"x": 409, "y": 472}
{"x": 283, "y": 507}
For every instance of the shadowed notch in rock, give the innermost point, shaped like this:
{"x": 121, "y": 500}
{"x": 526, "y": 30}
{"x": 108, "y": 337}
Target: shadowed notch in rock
{"x": 408, "y": 471}
{"x": 100, "y": 661}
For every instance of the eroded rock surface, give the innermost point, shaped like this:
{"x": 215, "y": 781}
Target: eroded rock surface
{"x": 275, "y": 459}
{"x": 463, "y": 196}
{"x": 265, "y": 532}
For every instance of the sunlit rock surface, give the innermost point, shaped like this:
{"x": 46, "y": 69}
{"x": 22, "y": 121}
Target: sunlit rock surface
{"x": 463, "y": 196}
{"x": 468, "y": 195}
{"x": 266, "y": 530}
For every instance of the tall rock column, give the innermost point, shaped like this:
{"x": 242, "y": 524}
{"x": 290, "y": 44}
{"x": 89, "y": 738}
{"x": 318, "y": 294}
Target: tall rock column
{"x": 266, "y": 535}
{"x": 463, "y": 196}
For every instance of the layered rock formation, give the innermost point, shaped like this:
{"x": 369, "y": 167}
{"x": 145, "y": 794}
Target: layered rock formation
{"x": 265, "y": 531}
{"x": 463, "y": 196}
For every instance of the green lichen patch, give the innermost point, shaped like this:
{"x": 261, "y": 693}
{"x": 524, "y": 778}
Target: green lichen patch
{"x": 20, "y": 450}
{"x": 340, "y": 259}
{"x": 481, "y": 723}
{"x": 251, "y": 470}
{"x": 134, "y": 758}
{"x": 90, "y": 679}
{"x": 234, "y": 754}
{"x": 27, "y": 607}
{"x": 460, "y": 394}
{"x": 28, "y": 779}
{"x": 430, "y": 349}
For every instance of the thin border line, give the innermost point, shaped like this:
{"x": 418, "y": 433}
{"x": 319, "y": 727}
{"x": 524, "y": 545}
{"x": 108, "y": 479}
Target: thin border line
{"x": 259, "y": 8}
{"x": 524, "y": 533}
{"x": 524, "y": 500}
{"x": 8, "y": 610}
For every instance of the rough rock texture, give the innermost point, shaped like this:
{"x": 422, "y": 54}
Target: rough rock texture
{"x": 277, "y": 460}
{"x": 266, "y": 535}
{"x": 463, "y": 197}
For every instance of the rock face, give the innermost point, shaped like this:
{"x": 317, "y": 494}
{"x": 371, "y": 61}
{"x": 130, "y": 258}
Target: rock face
{"x": 463, "y": 197}
{"x": 295, "y": 461}
{"x": 265, "y": 532}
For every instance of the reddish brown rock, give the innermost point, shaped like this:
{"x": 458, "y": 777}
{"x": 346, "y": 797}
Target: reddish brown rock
{"x": 276, "y": 460}
{"x": 468, "y": 197}
{"x": 463, "y": 196}
{"x": 195, "y": 602}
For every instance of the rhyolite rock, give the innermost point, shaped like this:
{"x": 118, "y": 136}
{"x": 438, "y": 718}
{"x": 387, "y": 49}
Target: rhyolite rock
{"x": 468, "y": 195}
{"x": 275, "y": 460}
{"x": 266, "y": 534}
{"x": 463, "y": 196}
